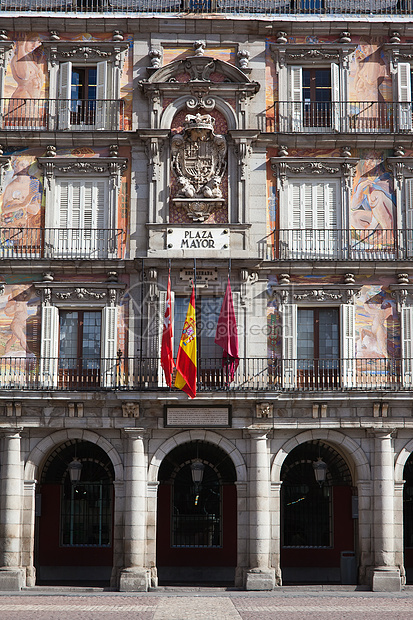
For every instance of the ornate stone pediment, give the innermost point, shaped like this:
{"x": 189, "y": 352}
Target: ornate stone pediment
{"x": 198, "y": 162}
{"x": 199, "y": 69}
{"x": 61, "y": 51}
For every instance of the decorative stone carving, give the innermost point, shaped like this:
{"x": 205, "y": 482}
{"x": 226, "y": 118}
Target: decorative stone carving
{"x": 345, "y": 37}
{"x": 50, "y": 150}
{"x": 243, "y": 59}
{"x": 118, "y": 35}
{"x": 199, "y": 47}
{"x": 282, "y": 38}
{"x": 395, "y": 36}
{"x": 54, "y": 35}
{"x": 264, "y": 410}
{"x": 199, "y": 162}
{"x": 282, "y": 151}
{"x": 81, "y": 293}
{"x": 130, "y": 410}
{"x": 156, "y": 58}
{"x": 402, "y": 278}
{"x": 398, "y": 151}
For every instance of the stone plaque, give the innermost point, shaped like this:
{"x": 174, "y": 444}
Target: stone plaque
{"x": 197, "y": 416}
{"x": 198, "y": 239}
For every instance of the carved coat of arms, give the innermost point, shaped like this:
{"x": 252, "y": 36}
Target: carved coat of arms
{"x": 199, "y": 162}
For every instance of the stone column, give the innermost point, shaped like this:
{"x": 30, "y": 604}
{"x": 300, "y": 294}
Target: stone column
{"x": 135, "y": 576}
{"x": 276, "y": 530}
{"x": 260, "y": 575}
{"x": 398, "y": 529}
{"x": 28, "y": 528}
{"x": 11, "y": 492}
{"x": 386, "y": 577}
{"x": 365, "y": 517}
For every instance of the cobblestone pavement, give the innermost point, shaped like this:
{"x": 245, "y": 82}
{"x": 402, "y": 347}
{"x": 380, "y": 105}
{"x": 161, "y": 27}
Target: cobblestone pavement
{"x": 212, "y": 605}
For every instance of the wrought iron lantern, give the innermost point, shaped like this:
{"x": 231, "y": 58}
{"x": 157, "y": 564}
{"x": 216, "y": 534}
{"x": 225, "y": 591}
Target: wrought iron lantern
{"x": 320, "y": 470}
{"x": 197, "y": 471}
{"x": 75, "y": 469}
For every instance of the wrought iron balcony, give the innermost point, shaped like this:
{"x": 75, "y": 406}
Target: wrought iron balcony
{"x": 252, "y": 374}
{"x": 234, "y": 7}
{"x": 61, "y": 243}
{"x": 339, "y": 116}
{"x": 339, "y": 245}
{"x": 62, "y": 114}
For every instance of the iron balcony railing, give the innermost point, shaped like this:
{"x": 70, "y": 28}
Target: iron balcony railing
{"x": 62, "y": 243}
{"x": 252, "y": 374}
{"x": 232, "y": 7}
{"x": 61, "y": 114}
{"x": 339, "y": 244}
{"x": 339, "y": 116}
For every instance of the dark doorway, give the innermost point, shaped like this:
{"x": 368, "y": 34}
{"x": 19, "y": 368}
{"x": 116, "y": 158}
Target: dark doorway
{"x": 74, "y": 524}
{"x": 197, "y": 521}
{"x": 317, "y": 518}
{"x": 408, "y": 519}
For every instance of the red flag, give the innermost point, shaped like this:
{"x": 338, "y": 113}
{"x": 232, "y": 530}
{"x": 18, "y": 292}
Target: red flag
{"x": 186, "y": 359}
{"x": 227, "y": 334}
{"x": 167, "y": 358}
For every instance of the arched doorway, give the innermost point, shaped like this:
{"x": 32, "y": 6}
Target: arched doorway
{"x": 317, "y": 518}
{"x": 408, "y": 518}
{"x": 197, "y": 516}
{"x": 74, "y": 516}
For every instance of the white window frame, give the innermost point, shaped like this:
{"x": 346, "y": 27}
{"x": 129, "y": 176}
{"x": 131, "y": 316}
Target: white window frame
{"x": 291, "y": 59}
{"x": 404, "y": 96}
{"x": 58, "y": 297}
{"x": 107, "y": 56}
{"x": 110, "y": 169}
{"x": 289, "y": 342}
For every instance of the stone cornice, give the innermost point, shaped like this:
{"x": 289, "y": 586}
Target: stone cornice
{"x": 63, "y": 51}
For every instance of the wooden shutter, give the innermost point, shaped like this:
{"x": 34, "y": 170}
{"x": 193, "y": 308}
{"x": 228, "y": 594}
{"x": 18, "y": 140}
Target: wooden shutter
{"x": 289, "y": 344}
{"x": 109, "y": 344}
{"x": 296, "y": 98}
{"x": 347, "y": 320}
{"x": 335, "y": 96}
{"x": 408, "y": 189}
{"x": 65, "y": 94}
{"x": 101, "y": 94}
{"x": 407, "y": 349}
{"x": 404, "y": 95}
{"x": 49, "y": 346}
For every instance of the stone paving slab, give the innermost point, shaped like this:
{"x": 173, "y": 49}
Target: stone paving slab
{"x": 214, "y": 606}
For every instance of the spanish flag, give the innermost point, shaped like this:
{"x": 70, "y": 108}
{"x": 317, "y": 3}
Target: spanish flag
{"x": 186, "y": 359}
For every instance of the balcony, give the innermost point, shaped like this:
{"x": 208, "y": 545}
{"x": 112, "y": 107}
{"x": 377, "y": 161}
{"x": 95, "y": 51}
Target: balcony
{"x": 252, "y": 375}
{"x": 352, "y": 117}
{"x": 339, "y": 245}
{"x": 63, "y": 114}
{"x": 231, "y": 7}
{"x": 61, "y": 243}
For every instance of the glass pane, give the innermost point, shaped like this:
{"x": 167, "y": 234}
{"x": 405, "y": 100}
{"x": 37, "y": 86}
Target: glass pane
{"x": 305, "y": 334}
{"x": 91, "y": 338}
{"x": 69, "y": 324}
{"x": 210, "y": 309}
{"x": 328, "y": 334}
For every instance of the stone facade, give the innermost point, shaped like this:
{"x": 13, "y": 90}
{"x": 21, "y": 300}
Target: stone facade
{"x": 206, "y": 148}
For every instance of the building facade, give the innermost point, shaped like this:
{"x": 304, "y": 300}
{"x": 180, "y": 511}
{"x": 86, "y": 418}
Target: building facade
{"x": 265, "y": 142}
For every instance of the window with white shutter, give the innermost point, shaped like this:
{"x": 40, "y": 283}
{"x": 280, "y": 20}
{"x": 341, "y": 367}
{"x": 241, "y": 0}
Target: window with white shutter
{"x": 49, "y": 347}
{"x": 82, "y": 217}
{"x": 83, "y": 95}
{"x": 313, "y": 216}
{"x": 404, "y": 96}
{"x": 314, "y": 97}
{"x": 407, "y": 349}
{"x": 109, "y": 346}
{"x": 314, "y": 339}
{"x": 408, "y": 201}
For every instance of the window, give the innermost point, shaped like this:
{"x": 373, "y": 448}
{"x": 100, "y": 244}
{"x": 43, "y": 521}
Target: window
{"x": 82, "y": 207}
{"x": 83, "y": 95}
{"x": 315, "y": 95}
{"x": 79, "y": 355}
{"x": 78, "y": 346}
{"x": 318, "y": 345}
{"x": 84, "y": 84}
{"x": 309, "y": 219}
{"x": 82, "y": 216}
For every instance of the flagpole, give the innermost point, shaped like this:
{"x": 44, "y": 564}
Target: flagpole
{"x": 197, "y": 348}
{"x": 141, "y": 325}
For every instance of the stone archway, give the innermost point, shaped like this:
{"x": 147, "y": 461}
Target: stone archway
{"x": 33, "y": 468}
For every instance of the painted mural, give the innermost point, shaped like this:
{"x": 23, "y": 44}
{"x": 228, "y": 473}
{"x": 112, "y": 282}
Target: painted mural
{"x": 19, "y": 318}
